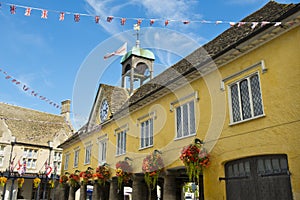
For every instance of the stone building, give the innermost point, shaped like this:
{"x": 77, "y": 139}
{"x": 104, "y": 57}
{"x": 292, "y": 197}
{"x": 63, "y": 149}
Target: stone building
{"x": 31, "y": 138}
{"x": 237, "y": 94}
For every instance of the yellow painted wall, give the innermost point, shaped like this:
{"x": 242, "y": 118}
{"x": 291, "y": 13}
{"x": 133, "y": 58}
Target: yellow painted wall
{"x": 274, "y": 133}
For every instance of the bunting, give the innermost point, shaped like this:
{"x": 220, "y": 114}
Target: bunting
{"x": 28, "y": 89}
{"x": 123, "y": 20}
{"x": 48, "y": 169}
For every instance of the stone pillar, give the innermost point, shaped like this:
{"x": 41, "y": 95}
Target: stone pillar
{"x": 114, "y": 193}
{"x": 96, "y": 191}
{"x": 169, "y": 186}
{"x": 72, "y": 193}
{"x": 139, "y": 187}
{"x": 83, "y": 192}
{"x": 104, "y": 191}
{"x": 63, "y": 191}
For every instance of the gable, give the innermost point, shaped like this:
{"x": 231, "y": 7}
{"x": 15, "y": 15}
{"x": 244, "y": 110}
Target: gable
{"x": 115, "y": 97}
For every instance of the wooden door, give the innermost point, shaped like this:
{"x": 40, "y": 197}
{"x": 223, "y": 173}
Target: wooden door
{"x": 255, "y": 178}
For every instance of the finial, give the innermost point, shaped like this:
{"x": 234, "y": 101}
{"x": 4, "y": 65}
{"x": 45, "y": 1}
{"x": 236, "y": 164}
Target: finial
{"x": 137, "y": 28}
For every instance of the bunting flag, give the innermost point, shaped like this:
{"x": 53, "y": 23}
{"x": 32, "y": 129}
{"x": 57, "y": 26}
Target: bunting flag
{"x": 97, "y": 18}
{"x": 120, "y": 52}
{"x": 166, "y": 22}
{"x": 123, "y": 20}
{"x": 76, "y": 17}
{"x": 44, "y": 14}
{"x": 61, "y": 16}
{"x": 12, "y": 166}
{"x": 13, "y": 9}
{"x": 21, "y": 167}
{"x": 27, "y": 11}
{"x": 48, "y": 169}
{"x": 139, "y": 21}
{"x": 28, "y": 89}
{"x": 151, "y": 22}
{"x": 109, "y": 18}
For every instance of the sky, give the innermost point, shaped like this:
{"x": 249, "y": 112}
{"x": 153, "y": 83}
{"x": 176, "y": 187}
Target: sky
{"x": 44, "y": 61}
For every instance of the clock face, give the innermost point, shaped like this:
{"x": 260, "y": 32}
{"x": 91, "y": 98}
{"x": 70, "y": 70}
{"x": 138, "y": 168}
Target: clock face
{"x": 104, "y": 110}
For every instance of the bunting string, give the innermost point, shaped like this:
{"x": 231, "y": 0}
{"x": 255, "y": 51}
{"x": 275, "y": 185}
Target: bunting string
{"x": 27, "y": 89}
{"x": 61, "y": 16}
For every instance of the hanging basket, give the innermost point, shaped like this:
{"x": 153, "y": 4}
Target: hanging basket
{"x": 194, "y": 157}
{"x": 152, "y": 166}
{"x": 102, "y": 174}
{"x": 3, "y": 181}
{"x": 123, "y": 172}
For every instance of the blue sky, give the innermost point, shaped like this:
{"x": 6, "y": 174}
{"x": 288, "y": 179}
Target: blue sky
{"x": 49, "y": 56}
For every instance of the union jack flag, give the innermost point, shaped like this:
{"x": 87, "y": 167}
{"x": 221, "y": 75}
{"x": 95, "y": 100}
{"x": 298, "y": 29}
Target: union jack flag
{"x": 44, "y": 14}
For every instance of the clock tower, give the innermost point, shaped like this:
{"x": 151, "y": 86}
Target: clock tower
{"x": 137, "y": 65}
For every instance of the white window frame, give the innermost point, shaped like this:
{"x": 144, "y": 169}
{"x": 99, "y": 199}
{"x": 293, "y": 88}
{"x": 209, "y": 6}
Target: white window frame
{"x": 232, "y": 122}
{"x": 76, "y": 157}
{"x": 146, "y": 133}
{"x": 2, "y": 147}
{"x": 121, "y": 142}
{"x": 67, "y": 159}
{"x": 191, "y": 132}
{"x": 102, "y": 149}
{"x": 57, "y": 160}
{"x": 88, "y": 153}
{"x": 30, "y": 156}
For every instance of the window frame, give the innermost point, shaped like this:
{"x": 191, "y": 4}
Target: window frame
{"x": 66, "y": 163}
{"x": 238, "y": 82}
{"x": 76, "y": 157}
{"x": 102, "y": 154}
{"x": 150, "y": 129}
{"x": 121, "y": 145}
{"x": 88, "y": 153}
{"x": 30, "y": 156}
{"x": 191, "y": 132}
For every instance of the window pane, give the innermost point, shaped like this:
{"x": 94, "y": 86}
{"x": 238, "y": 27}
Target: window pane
{"x": 124, "y": 143}
{"x": 151, "y": 131}
{"x": 147, "y": 133}
{"x": 245, "y": 100}
{"x": 268, "y": 166}
{"x": 142, "y": 134}
{"x": 256, "y": 95}
{"x": 192, "y": 118}
{"x": 185, "y": 119}
{"x": 178, "y": 119}
{"x": 235, "y": 105}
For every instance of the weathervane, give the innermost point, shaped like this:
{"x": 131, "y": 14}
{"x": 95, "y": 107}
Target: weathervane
{"x": 137, "y": 28}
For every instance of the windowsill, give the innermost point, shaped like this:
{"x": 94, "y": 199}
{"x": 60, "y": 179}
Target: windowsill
{"x": 118, "y": 155}
{"x": 87, "y": 163}
{"x": 142, "y": 148}
{"x": 183, "y": 137}
{"x": 246, "y": 120}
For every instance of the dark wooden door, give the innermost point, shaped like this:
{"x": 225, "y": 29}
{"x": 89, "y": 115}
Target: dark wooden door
{"x": 255, "y": 178}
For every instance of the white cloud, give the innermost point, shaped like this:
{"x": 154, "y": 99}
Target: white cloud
{"x": 157, "y": 9}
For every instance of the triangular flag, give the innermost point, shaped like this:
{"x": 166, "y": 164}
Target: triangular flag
{"x": 119, "y": 52}
{"x": 151, "y": 22}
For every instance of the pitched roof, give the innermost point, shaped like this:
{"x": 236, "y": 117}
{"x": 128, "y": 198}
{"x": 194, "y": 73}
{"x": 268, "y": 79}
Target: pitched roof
{"x": 271, "y": 12}
{"x": 31, "y": 126}
{"x": 229, "y": 39}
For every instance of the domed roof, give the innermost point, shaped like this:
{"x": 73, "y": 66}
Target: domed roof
{"x": 138, "y": 52}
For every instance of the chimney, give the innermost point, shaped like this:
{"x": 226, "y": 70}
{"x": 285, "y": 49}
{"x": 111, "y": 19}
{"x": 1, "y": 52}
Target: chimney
{"x": 65, "y": 109}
